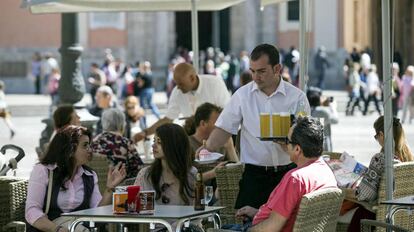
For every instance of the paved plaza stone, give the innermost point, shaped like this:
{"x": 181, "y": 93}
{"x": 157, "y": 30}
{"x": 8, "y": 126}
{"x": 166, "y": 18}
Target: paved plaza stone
{"x": 351, "y": 134}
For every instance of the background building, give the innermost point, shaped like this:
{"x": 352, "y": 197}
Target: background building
{"x": 339, "y": 25}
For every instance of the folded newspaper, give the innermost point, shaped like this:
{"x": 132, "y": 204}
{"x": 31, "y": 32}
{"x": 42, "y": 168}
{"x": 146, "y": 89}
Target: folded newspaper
{"x": 347, "y": 170}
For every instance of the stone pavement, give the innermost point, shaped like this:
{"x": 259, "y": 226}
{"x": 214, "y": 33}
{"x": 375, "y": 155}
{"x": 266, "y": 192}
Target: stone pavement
{"x": 351, "y": 134}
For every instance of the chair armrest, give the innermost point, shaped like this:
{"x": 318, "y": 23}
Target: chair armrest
{"x": 366, "y": 225}
{"x": 17, "y": 225}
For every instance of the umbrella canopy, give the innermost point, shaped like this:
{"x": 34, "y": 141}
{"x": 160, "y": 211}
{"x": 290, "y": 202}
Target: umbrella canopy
{"x": 72, "y": 6}
{"x": 269, "y": 2}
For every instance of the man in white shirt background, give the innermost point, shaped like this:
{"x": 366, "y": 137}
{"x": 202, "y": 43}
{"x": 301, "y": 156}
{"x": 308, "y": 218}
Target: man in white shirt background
{"x": 265, "y": 161}
{"x": 191, "y": 91}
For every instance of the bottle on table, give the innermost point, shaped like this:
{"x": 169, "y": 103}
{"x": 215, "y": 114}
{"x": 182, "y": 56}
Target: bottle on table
{"x": 199, "y": 192}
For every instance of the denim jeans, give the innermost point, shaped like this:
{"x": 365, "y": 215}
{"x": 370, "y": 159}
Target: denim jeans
{"x": 145, "y": 98}
{"x": 238, "y": 227}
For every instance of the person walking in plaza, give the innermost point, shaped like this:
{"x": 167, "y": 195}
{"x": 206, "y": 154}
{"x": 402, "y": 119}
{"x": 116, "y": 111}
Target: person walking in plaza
{"x": 96, "y": 79}
{"x": 396, "y": 86}
{"x": 372, "y": 89}
{"x": 367, "y": 190}
{"x": 52, "y": 88}
{"x": 4, "y": 111}
{"x": 144, "y": 81}
{"x": 36, "y": 67}
{"x": 191, "y": 91}
{"x": 265, "y": 162}
{"x": 48, "y": 64}
{"x": 321, "y": 64}
{"x": 407, "y": 86}
{"x": 355, "y": 91}
{"x": 304, "y": 148}
{"x": 73, "y": 185}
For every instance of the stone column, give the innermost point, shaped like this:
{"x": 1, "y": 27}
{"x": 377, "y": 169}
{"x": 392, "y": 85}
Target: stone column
{"x": 71, "y": 84}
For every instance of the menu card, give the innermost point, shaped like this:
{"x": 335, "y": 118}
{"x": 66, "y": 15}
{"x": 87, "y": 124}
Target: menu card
{"x": 144, "y": 205}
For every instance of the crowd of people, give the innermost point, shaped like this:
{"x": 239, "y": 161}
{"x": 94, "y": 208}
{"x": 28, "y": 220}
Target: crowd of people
{"x": 364, "y": 86}
{"x": 276, "y": 173}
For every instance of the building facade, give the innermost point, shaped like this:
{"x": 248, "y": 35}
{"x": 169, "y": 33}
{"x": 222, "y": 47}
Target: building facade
{"x": 154, "y": 36}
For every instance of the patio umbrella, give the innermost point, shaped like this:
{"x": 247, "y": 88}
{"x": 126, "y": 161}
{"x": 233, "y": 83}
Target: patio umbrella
{"x": 75, "y": 6}
{"x": 388, "y": 117}
{"x": 303, "y": 48}
{"x": 264, "y": 3}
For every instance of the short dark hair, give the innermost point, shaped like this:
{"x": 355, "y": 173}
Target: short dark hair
{"x": 308, "y": 134}
{"x": 62, "y": 116}
{"x": 314, "y": 98}
{"x": 203, "y": 113}
{"x": 266, "y": 49}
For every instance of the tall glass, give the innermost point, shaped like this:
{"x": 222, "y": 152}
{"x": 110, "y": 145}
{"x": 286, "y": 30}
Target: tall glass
{"x": 208, "y": 194}
{"x": 285, "y": 123}
{"x": 276, "y": 125}
{"x": 264, "y": 125}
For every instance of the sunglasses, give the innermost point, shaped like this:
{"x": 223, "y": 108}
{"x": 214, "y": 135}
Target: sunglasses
{"x": 130, "y": 107}
{"x": 290, "y": 141}
{"x": 377, "y": 135}
{"x": 164, "y": 199}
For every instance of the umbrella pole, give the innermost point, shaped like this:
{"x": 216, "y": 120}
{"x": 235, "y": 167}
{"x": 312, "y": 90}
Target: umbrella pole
{"x": 194, "y": 34}
{"x": 387, "y": 78}
{"x": 302, "y": 44}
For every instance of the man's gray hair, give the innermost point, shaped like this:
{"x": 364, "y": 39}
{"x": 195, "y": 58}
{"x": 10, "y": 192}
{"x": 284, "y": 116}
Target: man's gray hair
{"x": 113, "y": 120}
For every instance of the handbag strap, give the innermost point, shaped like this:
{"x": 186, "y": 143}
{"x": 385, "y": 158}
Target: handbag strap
{"x": 49, "y": 191}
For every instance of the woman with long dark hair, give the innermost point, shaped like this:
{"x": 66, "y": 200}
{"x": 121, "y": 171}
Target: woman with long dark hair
{"x": 73, "y": 184}
{"x": 171, "y": 174}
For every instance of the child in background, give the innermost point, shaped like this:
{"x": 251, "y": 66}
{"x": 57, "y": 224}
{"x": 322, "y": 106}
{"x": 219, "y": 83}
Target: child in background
{"x": 52, "y": 88}
{"x": 4, "y": 112}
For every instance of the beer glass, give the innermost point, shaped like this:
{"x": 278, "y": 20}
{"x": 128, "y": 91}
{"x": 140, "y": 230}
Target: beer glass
{"x": 264, "y": 125}
{"x": 285, "y": 123}
{"x": 276, "y": 125}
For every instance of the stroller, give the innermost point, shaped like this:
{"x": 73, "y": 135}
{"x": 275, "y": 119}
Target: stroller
{"x": 4, "y": 168}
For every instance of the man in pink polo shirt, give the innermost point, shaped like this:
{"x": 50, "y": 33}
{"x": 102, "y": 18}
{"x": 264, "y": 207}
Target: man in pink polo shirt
{"x": 305, "y": 144}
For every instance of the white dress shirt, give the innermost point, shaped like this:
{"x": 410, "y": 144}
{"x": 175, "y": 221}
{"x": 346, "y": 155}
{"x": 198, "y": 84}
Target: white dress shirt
{"x": 210, "y": 89}
{"x": 244, "y": 109}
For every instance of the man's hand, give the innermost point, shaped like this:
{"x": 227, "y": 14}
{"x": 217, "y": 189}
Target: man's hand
{"x": 197, "y": 152}
{"x": 139, "y": 136}
{"x": 246, "y": 212}
{"x": 219, "y": 166}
